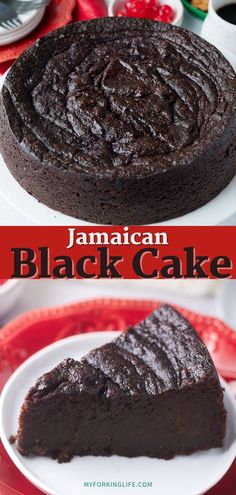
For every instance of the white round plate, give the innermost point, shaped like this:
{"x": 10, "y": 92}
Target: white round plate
{"x": 176, "y": 5}
{"x": 29, "y": 21}
{"x": 183, "y": 475}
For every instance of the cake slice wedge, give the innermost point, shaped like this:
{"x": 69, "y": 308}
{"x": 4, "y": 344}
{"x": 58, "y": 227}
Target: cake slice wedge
{"x": 153, "y": 391}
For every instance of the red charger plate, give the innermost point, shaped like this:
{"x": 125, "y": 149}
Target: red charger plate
{"x": 37, "y": 329}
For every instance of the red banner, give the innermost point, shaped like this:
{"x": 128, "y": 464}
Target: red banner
{"x": 117, "y": 252}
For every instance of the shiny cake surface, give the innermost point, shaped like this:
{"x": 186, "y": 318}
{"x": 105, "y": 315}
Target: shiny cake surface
{"x": 119, "y": 97}
{"x": 160, "y": 354}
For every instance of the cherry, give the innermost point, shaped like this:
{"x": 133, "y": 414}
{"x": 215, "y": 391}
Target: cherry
{"x": 154, "y": 12}
{"x": 151, "y": 4}
{"x": 121, "y": 13}
{"x": 135, "y": 8}
{"x": 147, "y": 8}
{"x": 157, "y": 18}
{"x": 134, "y": 4}
{"x": 132, "y": 12}
{"x": 167, "y": 13}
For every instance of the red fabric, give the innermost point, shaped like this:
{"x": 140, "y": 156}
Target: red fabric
{"x": 58, "y": 13}
{"x": 89, "y": 9}
{"x": 227, "y": 485}
{"x": 35, "y": 330}
{"x": 4, "y": 66}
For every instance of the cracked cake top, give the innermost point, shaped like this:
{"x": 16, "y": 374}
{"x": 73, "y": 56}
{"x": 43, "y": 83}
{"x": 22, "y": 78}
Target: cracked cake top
{"x": 119, "y": 97}
{"x": 161, "y": 353}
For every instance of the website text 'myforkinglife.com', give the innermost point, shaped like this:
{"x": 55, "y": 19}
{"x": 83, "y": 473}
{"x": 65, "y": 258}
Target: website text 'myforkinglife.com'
{"x": 117, "y": 484}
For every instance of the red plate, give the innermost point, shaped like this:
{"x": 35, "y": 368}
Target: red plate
{"x": 33, "y": 331}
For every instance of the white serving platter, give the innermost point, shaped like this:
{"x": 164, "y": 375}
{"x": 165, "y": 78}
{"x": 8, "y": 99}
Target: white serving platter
{"x": 183, "y": 475}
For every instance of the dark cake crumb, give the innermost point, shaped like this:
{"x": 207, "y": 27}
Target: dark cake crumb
{"x": 12, "y": 439}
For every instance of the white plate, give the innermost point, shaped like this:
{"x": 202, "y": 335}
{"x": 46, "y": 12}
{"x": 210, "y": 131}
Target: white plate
{"x": 29, "y": 21}
{"x": 184, "y": 475}
{"x": 176, "y": 5}
{"x": 213, "y": 213}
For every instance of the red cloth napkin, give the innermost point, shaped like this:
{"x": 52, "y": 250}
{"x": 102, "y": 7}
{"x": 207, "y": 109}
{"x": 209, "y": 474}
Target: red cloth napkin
{"x": 89, "y": 9}
{"x": 57, "y": 14}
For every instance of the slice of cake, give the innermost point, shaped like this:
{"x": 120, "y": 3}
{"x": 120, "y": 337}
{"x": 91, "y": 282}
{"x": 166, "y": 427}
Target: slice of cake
{"x": 153, "y": 391}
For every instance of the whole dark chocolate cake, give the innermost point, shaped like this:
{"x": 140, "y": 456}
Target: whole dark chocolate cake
{"x": 153, "y": 391}
{"x": 120, "y": 121}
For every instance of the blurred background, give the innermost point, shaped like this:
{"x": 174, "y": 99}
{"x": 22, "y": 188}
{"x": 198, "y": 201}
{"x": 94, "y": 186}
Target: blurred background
{"x": 210, "y": 297}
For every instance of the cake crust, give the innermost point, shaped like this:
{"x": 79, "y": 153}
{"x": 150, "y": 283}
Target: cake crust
{"x": 134, "y": 123}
